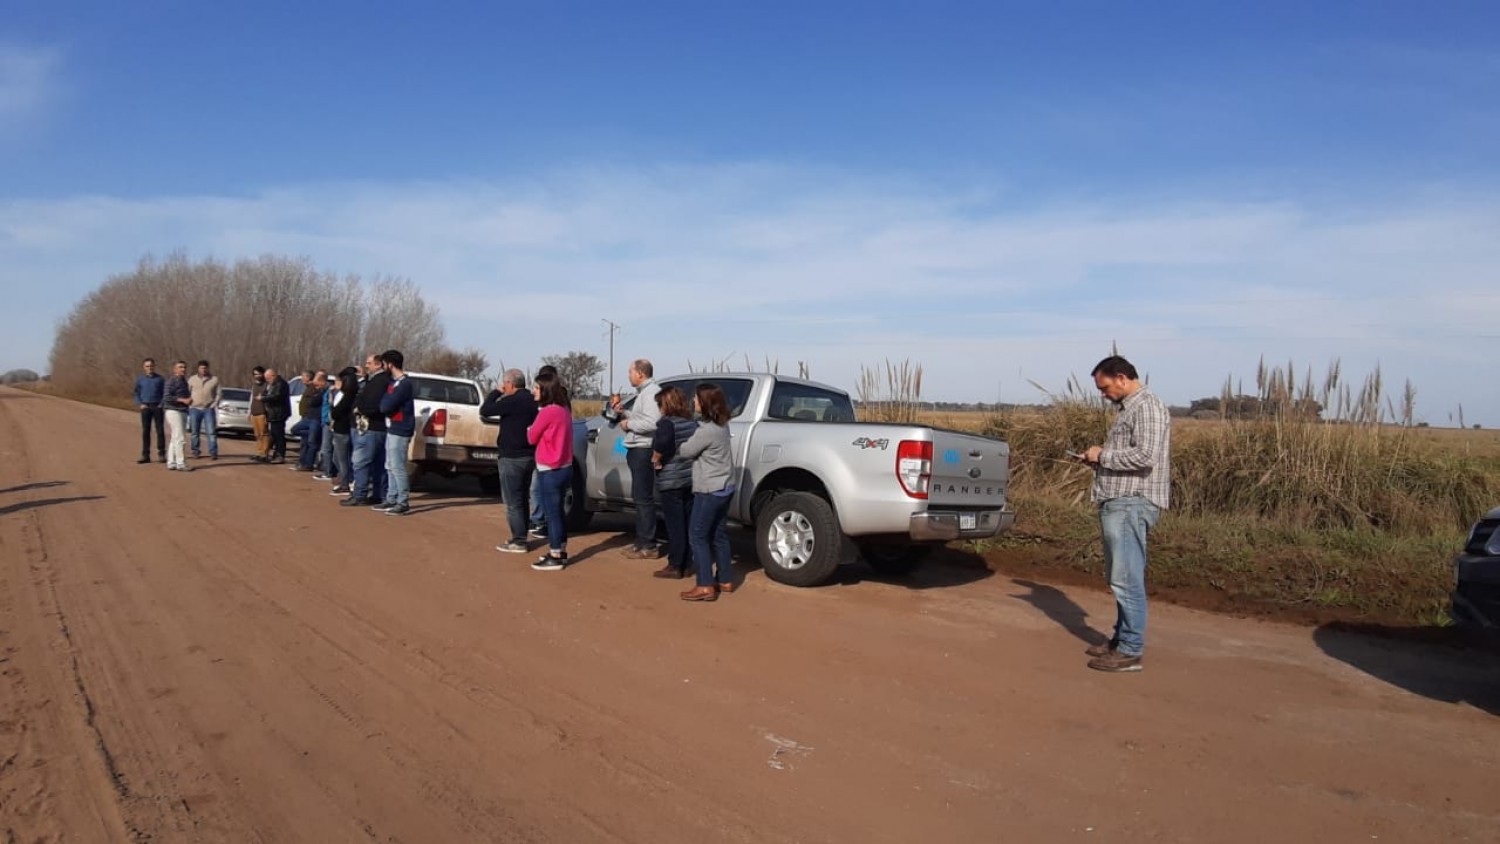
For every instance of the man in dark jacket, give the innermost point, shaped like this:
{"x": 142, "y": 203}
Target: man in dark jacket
{"x": 515, "y": 407}
{"x": 147, "y": 395}
{"x": 369, "y": 436}
{"x": 278, "y": 404}
{"x": 341, "y": 413}
{"x": 400, "y": 409}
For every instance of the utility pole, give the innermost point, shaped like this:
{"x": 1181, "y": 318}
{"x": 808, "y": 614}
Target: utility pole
{"x": 612, "y": 329}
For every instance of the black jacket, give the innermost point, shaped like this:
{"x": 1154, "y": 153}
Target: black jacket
{"x": 342, "y": 412}
{"x": 368, "y": 402}
{"x": 277, "y": 400}
{"x": 516, "y": 412}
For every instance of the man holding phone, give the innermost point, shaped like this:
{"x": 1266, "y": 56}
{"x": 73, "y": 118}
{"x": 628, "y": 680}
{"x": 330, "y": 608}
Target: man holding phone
{"x": 1132, "y": 484}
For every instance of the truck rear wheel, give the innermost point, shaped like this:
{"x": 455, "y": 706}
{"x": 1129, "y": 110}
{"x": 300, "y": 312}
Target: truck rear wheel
{"x": 797, "y": 539}
{"x": 893, "y": 559}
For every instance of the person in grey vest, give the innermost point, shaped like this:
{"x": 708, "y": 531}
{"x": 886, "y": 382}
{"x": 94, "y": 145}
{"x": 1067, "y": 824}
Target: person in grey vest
{"x": 674, "y": 478}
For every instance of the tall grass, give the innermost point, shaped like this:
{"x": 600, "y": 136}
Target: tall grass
{"x": 893, "y": 394}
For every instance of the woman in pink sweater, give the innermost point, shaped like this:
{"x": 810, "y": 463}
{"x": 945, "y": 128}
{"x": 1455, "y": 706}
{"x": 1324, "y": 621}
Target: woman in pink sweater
{"x": 552, "y": 434}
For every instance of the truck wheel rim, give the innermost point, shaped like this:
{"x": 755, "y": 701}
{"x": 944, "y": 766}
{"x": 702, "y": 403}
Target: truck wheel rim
{"x": 790, "y": 540}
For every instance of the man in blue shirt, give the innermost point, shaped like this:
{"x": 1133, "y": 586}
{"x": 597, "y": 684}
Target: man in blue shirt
{"x": 149, "y": 389}
{"x": 399, "y": 406}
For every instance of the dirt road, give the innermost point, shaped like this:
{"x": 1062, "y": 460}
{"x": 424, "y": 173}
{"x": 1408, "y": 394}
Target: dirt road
{"x": 227, "y": 655}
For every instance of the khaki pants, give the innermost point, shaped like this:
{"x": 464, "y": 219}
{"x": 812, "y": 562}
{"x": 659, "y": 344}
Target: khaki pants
{"x": 262, "y": 435}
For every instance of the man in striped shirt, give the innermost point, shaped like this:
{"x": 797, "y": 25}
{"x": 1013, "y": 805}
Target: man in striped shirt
{"x": 1132, "y": 484}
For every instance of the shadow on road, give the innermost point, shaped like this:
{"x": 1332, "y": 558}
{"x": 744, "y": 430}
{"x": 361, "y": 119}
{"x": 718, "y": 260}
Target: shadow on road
{"x": 944, "y": 568}
{"x": 35, "y": 485}
{"x": 45, "y": 502}
{"x": 1056, "y": 605}
{"x": 1436, "y": 662}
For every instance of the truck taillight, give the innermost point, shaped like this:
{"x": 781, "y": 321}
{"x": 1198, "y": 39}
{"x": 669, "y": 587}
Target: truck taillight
{"x": 914, "y": 467}
{"x": 437, "y": 424}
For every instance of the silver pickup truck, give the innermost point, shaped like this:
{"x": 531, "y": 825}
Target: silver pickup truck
{"x": 816, "y": 486}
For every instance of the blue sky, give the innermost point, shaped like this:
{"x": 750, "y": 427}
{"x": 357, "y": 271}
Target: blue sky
{"x": 998, "y": 191}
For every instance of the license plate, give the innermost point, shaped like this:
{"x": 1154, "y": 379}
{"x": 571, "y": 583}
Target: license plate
{"x": 967, "y": 521}
{"x": 486, "y": 455}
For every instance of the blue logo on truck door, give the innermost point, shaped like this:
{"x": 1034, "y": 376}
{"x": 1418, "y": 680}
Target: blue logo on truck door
{"x": 951, "y": 456}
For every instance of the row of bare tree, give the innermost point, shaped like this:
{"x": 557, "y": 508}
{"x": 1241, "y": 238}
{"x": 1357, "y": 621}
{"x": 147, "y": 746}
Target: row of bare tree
{"x": 271, "y": 311}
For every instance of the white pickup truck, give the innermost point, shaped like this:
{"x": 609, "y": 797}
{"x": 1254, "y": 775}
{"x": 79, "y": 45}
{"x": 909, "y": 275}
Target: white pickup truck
{"x": 816, "y": 485}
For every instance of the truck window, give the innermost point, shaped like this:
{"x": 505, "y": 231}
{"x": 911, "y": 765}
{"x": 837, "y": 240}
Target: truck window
{"x": 736, "y": 390}
{"x": 804, "y": 402}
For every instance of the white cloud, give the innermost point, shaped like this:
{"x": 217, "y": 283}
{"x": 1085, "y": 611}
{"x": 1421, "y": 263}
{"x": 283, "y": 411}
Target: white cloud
{"x": 29, "y": 81}
{"x": 708, "y": 263}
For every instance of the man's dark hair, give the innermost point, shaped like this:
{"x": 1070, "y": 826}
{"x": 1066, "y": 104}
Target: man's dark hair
{"x": 202, "y": 363}
{"x": 394, "y": 358}
{"x": 1113, "y": 366}
{"x": 259, "y": 370}
{"x": 145, "y": 361}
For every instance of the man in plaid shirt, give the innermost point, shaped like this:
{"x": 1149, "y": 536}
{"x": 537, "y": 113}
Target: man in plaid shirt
{"x": 1132, "y": 482}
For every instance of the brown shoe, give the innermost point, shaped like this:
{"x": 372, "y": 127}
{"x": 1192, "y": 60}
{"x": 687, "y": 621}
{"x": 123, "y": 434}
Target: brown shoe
{"x": 701, "y": 593}
{"x": 1116, "y": 663}
{"x": 634, "y": 553}
{"x": 1104, "y": 649}
{"x": 727, "y": 587}
{"x": 668, "y": 571}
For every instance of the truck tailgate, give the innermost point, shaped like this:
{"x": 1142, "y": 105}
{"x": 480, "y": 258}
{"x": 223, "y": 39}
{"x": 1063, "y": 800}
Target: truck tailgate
{"x": 968, "y": 471}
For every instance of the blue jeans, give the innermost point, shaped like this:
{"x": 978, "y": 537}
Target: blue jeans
{"x": 399, "y": 481}
{"x": 1125, "y": 523}
{"x": 707, "y": 531}
{"x": 312, "y": 443}
{"x": 515, "y": 486}
{"x": 554, "y": 485}
{"x": 369, "y": 465}
{"x": 537, "y": 516}
{"x": 677, "y": 511}
{"x": 643, "y": 495}
{"x": 343, "y": 459}
{"x": 325, "y": 456}
{"x": 205, "y": 420}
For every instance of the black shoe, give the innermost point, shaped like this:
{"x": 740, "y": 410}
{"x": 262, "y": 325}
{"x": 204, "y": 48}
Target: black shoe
{"x": 144, "y": 459}
{"x": 381, "y": 507}
{"x": 339, "y": 490}
{"x": 277, "y": 460}
{"x": 257, "y": 458}
{"x": 398, "y": 510}
{"x": 354, "y": 501}
{"x": 547, "y": 562}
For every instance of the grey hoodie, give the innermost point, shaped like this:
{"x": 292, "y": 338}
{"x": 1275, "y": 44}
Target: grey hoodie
{"x": 714, "y": 467}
